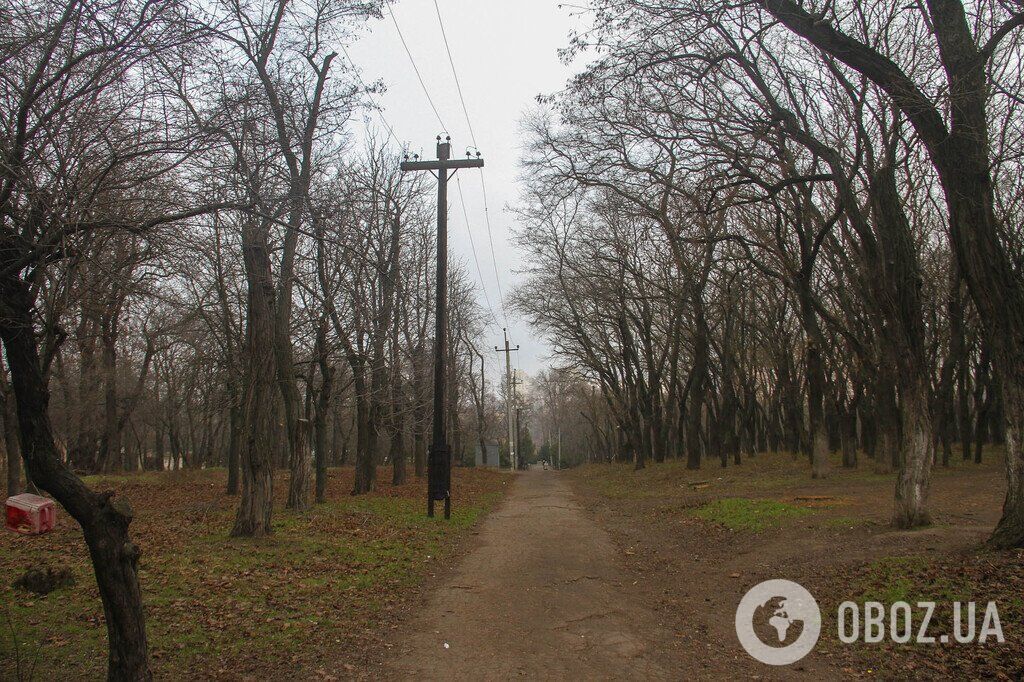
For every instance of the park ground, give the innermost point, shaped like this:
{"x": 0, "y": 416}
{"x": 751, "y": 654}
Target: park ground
{"x": 313, "y": 600}
{"x": 696, "y": 541}
{"x": 601, "y": 572}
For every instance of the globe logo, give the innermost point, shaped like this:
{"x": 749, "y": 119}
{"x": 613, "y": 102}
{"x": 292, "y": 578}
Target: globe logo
{"x": 778, "y": 622}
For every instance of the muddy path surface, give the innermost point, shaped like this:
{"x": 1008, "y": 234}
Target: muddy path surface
{"x": 541, "y": 595}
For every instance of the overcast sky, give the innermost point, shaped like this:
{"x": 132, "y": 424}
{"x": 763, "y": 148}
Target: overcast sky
{"x": 505, "y": 53}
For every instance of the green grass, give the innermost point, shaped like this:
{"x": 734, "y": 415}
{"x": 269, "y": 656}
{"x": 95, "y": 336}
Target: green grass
{"x": 739, "y": 513}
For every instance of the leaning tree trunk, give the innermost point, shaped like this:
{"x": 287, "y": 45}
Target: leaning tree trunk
{"x": 103, "y": 519}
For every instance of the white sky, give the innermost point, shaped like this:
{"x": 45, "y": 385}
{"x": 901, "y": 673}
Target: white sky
{"x": 505, "y": 52}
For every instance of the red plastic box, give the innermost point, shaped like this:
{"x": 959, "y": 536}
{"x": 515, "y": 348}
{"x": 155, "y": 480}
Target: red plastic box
{"x": 30, "y": 514}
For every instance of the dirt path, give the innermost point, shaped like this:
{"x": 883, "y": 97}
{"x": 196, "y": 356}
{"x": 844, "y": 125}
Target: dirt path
{"x": 541, "y": 596}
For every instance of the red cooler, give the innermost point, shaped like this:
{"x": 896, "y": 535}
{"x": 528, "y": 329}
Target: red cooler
{"x": 30, "y": 514}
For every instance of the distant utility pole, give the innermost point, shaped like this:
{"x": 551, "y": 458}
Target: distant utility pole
{"x": 518, "y": 462}
{"x": 439, "y": 458}
{"x": 559, "y": 393}
{"x": 510, "y": 398}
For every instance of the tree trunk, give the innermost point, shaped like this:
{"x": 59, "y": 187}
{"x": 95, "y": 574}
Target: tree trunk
{"x": 917, "y": 448}
{"x": 366, "y": 435}
{"x": 960, "y": 153}
{"x": 12, "y": 442}
{"x": 848, "y": 431}
{"x": 110, "y": 443}
{"x": 323, "y": 404}
{"x": 697, "y": 391}
{"x": 260, "y": 392}
{"x": 104, "y": 521}
{"x": 234, "y": 444}
{"x": 815, "y": 368}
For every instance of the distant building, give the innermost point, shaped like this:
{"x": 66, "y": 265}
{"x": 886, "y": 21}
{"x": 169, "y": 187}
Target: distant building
{"x": 492, "y": 457}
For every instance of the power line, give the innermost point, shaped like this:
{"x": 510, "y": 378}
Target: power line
{"x": 415, "y": 68}
{"x": 491, "y": 242}
{"x": 376, "y": 105}
{"x": 472, "y": 244}
{"x": 458, "y": 85}
{"x": 483, "y": 185}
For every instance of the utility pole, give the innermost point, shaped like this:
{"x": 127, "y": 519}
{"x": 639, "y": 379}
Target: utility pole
{"x": 559, "y": 392}
{"x": 439, "y": 458}
{"x": 518, "y": 462}
{"x": 509, "y": 399}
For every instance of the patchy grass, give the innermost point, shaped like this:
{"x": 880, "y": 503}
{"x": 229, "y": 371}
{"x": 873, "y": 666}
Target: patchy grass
{"x": 980, "y": 577}
{"x": 738, "y": 513}
{"x": 318, "y": 593}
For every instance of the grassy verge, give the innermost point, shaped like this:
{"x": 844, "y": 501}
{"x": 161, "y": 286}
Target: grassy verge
{"x": 317, "y": 594}
{"x": 739, "y": 513}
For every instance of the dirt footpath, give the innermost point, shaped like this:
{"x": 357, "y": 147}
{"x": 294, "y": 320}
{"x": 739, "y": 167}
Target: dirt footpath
{"x": 541, "y": 596}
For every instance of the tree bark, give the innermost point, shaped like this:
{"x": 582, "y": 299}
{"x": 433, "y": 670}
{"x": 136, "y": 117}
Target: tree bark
{"x": 12, "y": 440}
{"x": 260, "y": 392}
{"x": 234, "y": 445}
{"x": 104, "y": 521}
{"x": 960, "y": 154}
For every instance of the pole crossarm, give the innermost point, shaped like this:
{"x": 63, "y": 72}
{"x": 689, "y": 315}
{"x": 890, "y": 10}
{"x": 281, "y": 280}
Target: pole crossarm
{"x": 451, "y": 164}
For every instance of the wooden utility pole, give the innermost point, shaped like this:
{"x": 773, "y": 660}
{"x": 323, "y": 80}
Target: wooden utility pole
{"x": 439, "y": 457}
{"x": 518, "y": 462}
{"x": 509, "y": 399}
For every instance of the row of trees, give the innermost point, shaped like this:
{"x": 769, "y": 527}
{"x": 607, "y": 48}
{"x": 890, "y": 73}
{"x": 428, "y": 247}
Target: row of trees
{"x": 199, "y": 266}
{"x": 771, "y": 225}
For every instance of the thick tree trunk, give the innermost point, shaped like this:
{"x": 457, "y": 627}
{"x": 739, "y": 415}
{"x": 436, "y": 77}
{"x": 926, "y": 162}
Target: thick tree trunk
{"x": 12, "y": 443}
{"x": 1010, "y": 530}
{"x": 104, "y": 521}
{"x": 917, "y": 448}
{"x": 887, "y": 426}
{"x": 366, "y": 436}
{"x": 260, "y": 392}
